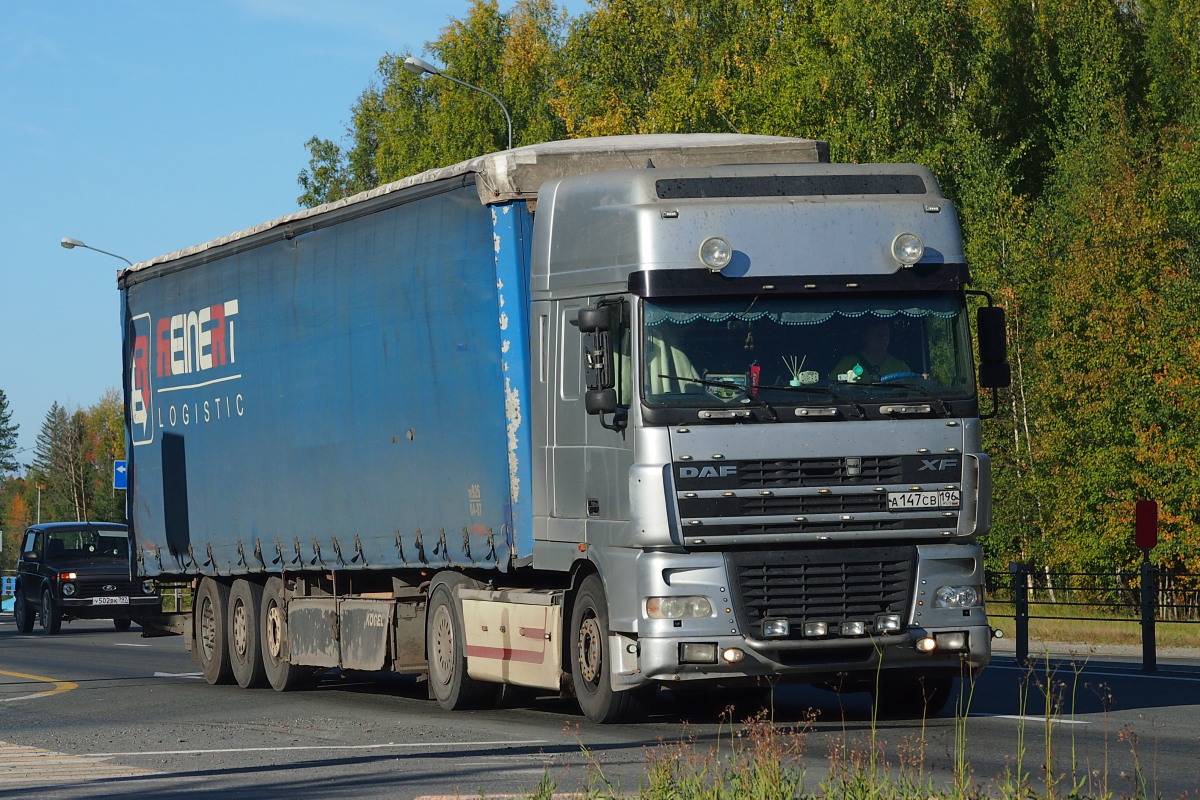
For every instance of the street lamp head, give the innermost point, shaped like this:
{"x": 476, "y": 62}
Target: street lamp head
{"x": 418, "y": 67}
{"x": 70, "y": 243}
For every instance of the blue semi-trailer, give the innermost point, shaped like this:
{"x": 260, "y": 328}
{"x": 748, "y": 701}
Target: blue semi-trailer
{"x": 597, "y": 417}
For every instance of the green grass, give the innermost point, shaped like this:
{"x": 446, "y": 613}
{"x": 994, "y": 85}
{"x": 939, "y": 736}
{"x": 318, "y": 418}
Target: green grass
{"x": 1097, "y": 629}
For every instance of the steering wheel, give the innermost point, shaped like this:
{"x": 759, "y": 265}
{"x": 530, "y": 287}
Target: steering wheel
{"x": 896, "y": 376}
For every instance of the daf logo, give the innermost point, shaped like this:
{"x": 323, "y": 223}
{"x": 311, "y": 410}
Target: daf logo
{"x": 109, "y": 587}
{"x": 724, "y": 471}
{"x": 937, "y": 464}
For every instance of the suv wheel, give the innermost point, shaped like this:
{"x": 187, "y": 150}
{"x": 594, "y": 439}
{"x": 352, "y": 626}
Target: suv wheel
{"x": 51, "y": 616}
{"x": 23, "y": 613}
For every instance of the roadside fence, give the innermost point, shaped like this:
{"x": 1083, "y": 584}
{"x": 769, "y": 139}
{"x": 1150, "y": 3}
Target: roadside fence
{"x": 1146, "y": 596}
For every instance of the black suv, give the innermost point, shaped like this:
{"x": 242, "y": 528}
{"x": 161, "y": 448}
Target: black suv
{"x": 78, "y": 570}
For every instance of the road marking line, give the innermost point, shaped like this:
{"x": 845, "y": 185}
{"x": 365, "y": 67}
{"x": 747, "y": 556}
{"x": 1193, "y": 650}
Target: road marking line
{"x": 21, "y": 765}
{"x": 179, "y": 674}
{"x": 1052, "y": 720}
{"x": 397, "y": 745}
{"x": 129, "y": 644}
{"x": 59, "y": 686}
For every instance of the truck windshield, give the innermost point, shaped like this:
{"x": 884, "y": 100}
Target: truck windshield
{"x": 701, "y": 352}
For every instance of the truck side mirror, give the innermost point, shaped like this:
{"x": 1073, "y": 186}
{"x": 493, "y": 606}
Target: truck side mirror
{"x": 600, "y": 401}
{"x": 994, "y": 372}
{"x": 596, "y": 319}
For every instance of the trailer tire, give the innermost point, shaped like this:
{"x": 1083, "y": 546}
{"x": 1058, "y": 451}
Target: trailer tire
{"x": 245, "y": 651}
{"x": 22, "y": 612}
{"x": 911, "y": 696}
{"x": 280, "y": 672}
{"x": 446, "y": 652}
{"x": 212, "y": 639}
{"x": 591, "y": 661}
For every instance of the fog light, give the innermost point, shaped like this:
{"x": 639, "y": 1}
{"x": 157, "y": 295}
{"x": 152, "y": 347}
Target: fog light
{"x": 776, "y": 627}
{"x": 716, "y": 253}
{"x": 907, "y": 248}
{"x": 697, "y": 653}
{"x": 887, "y": 623}
{"x": 926, "y": 644}
{"x": 733, "y": 655}
{"x": 814, "y": 629}
{"x": 854, "y": 628}
{"x": 68, "y": 590}
{"x": 956, "y": 640}
{"x": 956, "y": 597}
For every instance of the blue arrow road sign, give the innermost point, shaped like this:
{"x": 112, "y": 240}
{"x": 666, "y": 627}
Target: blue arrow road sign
{"x": 120, "y": 475}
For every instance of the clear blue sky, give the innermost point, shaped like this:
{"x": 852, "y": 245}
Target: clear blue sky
{"x": 145, "y": 126}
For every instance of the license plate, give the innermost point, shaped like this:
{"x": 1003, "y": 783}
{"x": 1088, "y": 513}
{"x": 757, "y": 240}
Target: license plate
{"x": 115, "y": 600}
{"x": 903, "y": 501}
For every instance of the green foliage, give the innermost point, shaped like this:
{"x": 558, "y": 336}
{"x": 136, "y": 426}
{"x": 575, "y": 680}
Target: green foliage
{"x": 73, "y": 462}
{"x": 8, "y": 437}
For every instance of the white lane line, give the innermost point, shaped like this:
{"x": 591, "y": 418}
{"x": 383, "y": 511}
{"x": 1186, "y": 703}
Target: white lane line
{"x": 1052, "y": 720}
{"x": 393, "y": 745}
{"x": 179, "y": 674}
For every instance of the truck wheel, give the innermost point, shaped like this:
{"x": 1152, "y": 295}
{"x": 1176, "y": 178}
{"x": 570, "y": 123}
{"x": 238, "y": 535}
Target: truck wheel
{"x": 445, "y": 648}
{"x": 122, "y": 624}
{"x": 591, "y": 661}
{"x": 212, "y": 639}
{"x": 281, "y": 673}
{"x": 908, "y": 695}
{"x": 245, "y": 651}
{"x": 23, "y": 613}
{"x": 51, "y": 616}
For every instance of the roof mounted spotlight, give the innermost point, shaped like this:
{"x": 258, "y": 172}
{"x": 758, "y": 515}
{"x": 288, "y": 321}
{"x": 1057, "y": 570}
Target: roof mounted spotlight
{"x": 907, "y": 248}
{"x": 716, "y": 253}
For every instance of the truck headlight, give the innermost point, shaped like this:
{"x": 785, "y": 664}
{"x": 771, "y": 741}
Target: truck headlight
{"x": 956, "y": 597}
{"x": 678, "y": 607}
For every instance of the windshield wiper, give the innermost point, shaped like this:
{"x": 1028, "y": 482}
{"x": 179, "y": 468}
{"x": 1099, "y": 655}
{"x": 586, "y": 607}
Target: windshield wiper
{"x": 836, "y": 395}
{"x": 750, "y": 393}
{"x": 943, "y": 406}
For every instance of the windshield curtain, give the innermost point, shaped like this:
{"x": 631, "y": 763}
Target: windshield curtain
{"x": 704, "y": 351}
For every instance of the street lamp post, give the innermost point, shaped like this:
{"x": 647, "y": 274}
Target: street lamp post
{"x": 418, "y": 67}
{"x": 70, "y": 244}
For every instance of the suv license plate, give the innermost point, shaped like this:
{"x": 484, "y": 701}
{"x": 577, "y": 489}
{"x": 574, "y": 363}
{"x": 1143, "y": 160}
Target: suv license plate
{"x": 903, "y": 501}
{"x": 116, "y": 600}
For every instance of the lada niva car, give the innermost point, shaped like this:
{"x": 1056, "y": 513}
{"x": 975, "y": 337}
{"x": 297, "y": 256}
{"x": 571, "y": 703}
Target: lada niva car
{"x": 78, "y": 570}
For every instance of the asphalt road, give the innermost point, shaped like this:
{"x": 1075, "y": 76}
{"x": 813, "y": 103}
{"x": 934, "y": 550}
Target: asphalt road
{"x": 92, "y": 713}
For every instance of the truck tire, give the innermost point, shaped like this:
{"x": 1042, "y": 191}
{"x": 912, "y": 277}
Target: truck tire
{"x": 591, "y": 661}
{"x": 446, "y": 651}
{"x": 245, "y": 650}
{"x": 282, "y": 674}
{"x": 51, "y": 615}
{"x": 22, "y": 613}
{"x": 912, "y": 695}
{"x": 212, "y": 639}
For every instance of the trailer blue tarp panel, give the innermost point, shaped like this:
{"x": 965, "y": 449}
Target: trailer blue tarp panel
{"x": 342, "y": 398}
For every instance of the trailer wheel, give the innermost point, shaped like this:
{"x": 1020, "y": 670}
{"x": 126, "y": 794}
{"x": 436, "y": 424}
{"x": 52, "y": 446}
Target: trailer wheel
{"x": 445, "y": 648}
{"x": 245, "y": 652}
{"x": 22, "y": 612}
{"x": 280, "y": 672}
{"x": 212, "y": 639}
{"x": 591, "y": 661}
{"x": 51, "y": 616}
{"x": 912, "y": 695}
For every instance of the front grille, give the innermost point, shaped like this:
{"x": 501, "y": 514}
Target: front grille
{"x": 791, "y": 505}
{"x": 908, "y": 523}
{"x": 95, "y": 588}
{"x": 792, "y": 472}
{"x": 833, "y": 586}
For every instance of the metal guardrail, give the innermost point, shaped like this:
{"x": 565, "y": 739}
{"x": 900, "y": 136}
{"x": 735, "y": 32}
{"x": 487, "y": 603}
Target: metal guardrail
{"x": 1144, "y": 597}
